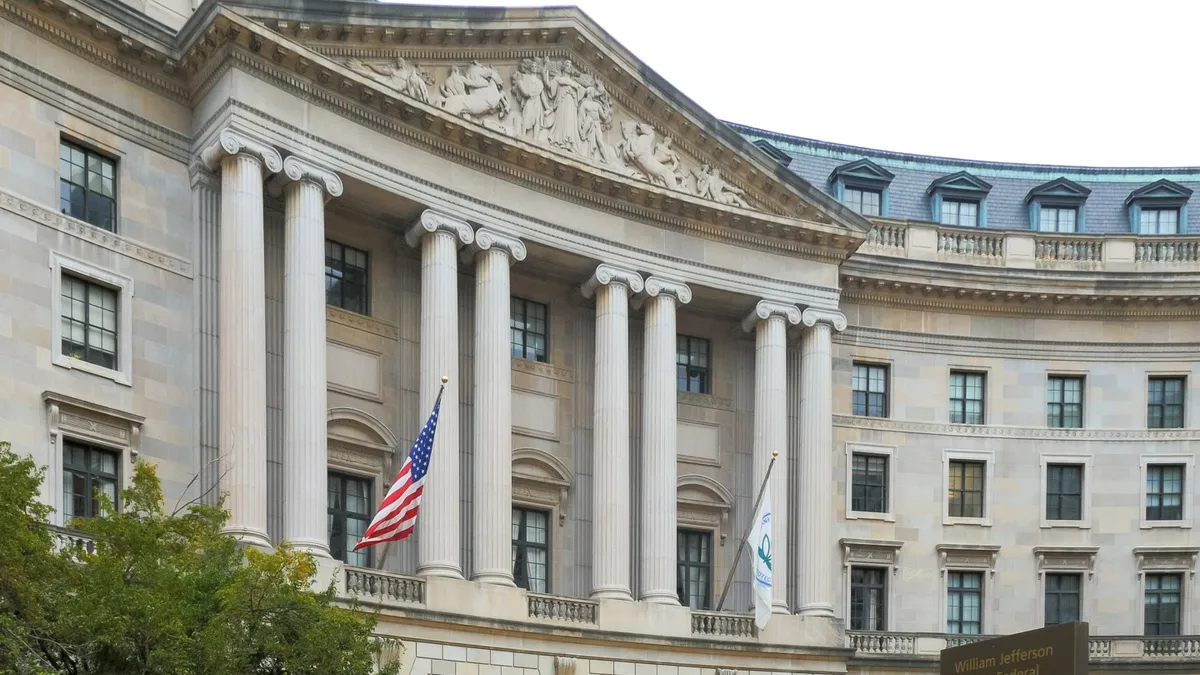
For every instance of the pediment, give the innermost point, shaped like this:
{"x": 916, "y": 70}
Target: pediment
{"x": 862, "y": 170}
{"x": 960, "y": 182}
{"x": 1160, "y": 190}
{"x": 1059, "y": 188}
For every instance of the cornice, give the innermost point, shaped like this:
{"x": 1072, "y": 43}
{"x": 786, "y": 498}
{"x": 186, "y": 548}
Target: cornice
{"x": 859, "y": 336}
{"x": 987, "y": 431}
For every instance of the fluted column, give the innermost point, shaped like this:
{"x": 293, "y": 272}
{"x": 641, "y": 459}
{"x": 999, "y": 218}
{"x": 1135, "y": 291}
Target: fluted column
{"x": 659, "y": 430}
{"x": 306, "y": 187}
{"x": 610, "y": 445}
{"x": 491, "y": 502}
{"x": 817, "y": 589}
{"x": 438, "y": 530}
{"x": 243, "y": 163}
{"x": 770, "y": 320}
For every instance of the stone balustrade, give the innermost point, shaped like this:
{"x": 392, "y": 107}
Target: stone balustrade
{"x": 384, "y": 587}
{"x": 558, "y": 608}
{"x": 1101, "y": 648}
{"x": 67, "y": 538}
{"x": 722, "y": 624}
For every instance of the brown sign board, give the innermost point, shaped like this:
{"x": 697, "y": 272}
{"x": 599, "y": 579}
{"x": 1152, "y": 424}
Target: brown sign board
{"x": 1054, "y": 650}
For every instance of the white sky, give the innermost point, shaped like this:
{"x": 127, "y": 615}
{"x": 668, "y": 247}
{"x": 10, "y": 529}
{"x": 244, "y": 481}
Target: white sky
{"x": 1095, "y": 82}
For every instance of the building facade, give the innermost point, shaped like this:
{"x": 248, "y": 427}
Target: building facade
{"x": 246, "y": 240}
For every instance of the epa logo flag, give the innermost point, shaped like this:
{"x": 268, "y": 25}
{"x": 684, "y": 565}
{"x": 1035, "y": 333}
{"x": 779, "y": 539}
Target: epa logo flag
{"x": 760, "y": 553}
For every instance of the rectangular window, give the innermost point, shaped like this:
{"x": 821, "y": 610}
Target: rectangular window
{"x": 868, "y": 598}
{"x": 1057, "y": 219}
{"x": 1164, "y": 492}
{"x": 349, "y": 515}
{"x": 869, "y": 483}
{"x": 966, "y": 398}
{"x": 87, "y": 186}
{"x": 88, "y": 472}
{"x": 966, "y": 489}
{"x": 1064, "y": 402}
{"x": 692, "y": 369}
{"x": 1164, "y": 403}
{"x": 695, "y": 568}
{"x": 870, "y": 390}
{"x": 964, "y": 603}
{"x": 1164, "y": 597}
{"x": 1064, "y": 492}
{"x": 1062, "y": 598}
{"x": 89, "y": 321}
{"x": 345, "y": 277}
{"x": 1159, "y": 221}
{"x": 865, "y": 202}
{"x": 531, "y": 549}
{"x": 527, "y": 319}
{"x": 964, "y": 214}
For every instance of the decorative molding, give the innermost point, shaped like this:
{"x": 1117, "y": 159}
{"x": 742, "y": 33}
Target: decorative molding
{"x": 384, "y": 440}
{"x": 297, "y": 169}
{"x": 564, "y": 665}
{"x": 487, "y": 239}
{"x": 876, "y": 552}
{"x": 860, "y": 336}
{"x": 967, "y": 556}
{"x": 361, "y": 322}
{"x": 606, "y": 274}
{"x": 814, "y": 315}
{"x": 543, "y": 369}
{"x": 431, "y": 221}
{"x": 711, "y": 511}
{"x": 548, "y": 487}
{"x": 765, "y": 309}
{"x": 93, "y": 422}
{"x": 232, "y": 142}
{"x": 1066, "y": 559}
{"x": 1166, "y": 559}
{"x": 656, "y": 285}
{"x": 936, "y": 429}
{"x": 703, "y": 401}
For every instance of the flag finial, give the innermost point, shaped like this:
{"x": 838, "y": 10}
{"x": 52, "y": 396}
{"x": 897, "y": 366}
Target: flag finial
{"x": 445, "y": 379}
{"x": 774, "y": 453}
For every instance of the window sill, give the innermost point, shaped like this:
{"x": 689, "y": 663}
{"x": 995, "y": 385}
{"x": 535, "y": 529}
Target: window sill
{"x": 870, "y": 515}
{"x": 93, "y": 369}
{"x": 1067, "y": 524}
{"x": 978, "y": 522}
{"x": 1166, "y": 524}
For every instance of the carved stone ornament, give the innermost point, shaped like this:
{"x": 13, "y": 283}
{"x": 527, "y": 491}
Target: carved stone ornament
{"x": 487, "y": 239}
{"x": 611, "y": 274}
{"x": 664, "y": 286}
{"x": 766, "y": 309}
{"x": 967, "y": 556}
{"x": 1166, "y": 559}
{"x": 564, "y": 665}
{"x": 1066, "y": 559}
{"x": 431, "y": 221}
{"x": 871, "y": 552}
{"x": 93, "y": 422}
{"x": 232, "y": 142}
{"x": 812, "y": 316}
{"x": 298, "y": 169}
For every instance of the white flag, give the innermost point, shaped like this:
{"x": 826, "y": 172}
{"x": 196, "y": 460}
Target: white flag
{"x": 761, "y": 536}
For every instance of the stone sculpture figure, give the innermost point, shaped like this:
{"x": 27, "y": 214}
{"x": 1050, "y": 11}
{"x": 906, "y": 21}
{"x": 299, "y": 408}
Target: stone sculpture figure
{"x": 528, "y": 89}
{"x": 595, "y": 119}
{"x": 638, "y": 149}
{"x": 562, "y": 117}
{"x": 710, "y": 185}
{"x": 476, "y": 94}
{"x": 397, "y": 74}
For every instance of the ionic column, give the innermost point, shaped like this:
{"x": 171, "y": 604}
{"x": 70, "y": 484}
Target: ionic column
{"x": 243, "y": 163}
{"x": 438, "y": 531}
{"x": 491, "y": 502}
{"x": 769, "y": 320}
{"x": 659, "y": 412}
{"x": 817, "y": 589}
{"x": 610, "y": 445}
{"x": 306, "y": 187}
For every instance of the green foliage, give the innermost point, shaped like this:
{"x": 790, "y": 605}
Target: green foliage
{"x": 162, "y": 593}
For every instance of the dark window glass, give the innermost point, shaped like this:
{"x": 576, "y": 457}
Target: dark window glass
{"x": 88, "y": 472}
{"x": 1064, "y": 492}
{"x": 345, "y": 277}
{"x": 964, "y": 603}
{"x": 870, "y": 390}
{"x": 865, "y": 202}
{"x": 531, "y": 549}
{"x": 89, "y": 321}
{"x": 868, "y": 598}
{"x": 966, "y": 489}
{"x": 966, "y": 398}
{"x": 527, "y": 319}
{"x": 349, "y": 515}
{"x": 1164, "y": 492}
{"x": 869, "y": 483}
{"x": 965, "y": 214}
{"x": 1064, "y": 402}
{"x": 695, "y": 568}
{"x": 1164, "y": 592}
{"x": 1164, "y": 409}
{"x": 692, "y": 369}
{"x": 87, "y": 186}
{"x": 1062, "y": 598}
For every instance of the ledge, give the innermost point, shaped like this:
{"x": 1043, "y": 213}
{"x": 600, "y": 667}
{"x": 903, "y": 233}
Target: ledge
{"x": 927, "y": 646}
{"x": 990, "y": 431}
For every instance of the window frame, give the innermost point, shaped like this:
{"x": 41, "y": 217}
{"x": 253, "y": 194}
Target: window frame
{"x": 1079, "y": 560}
{"x": 123, "y": 285}
{"x": 1180, "y": 560}
{"x": 90, "y": 148}
{"x": 887, "y": 388}
{"x": 1162, "y": 377}
{"x": 331, "y": 474}
{"x": 1046, "y": 595}
{"x": 706, "y": 389}
{"x": 888, "y": 453}
{"x": 884, "y": 596}
{"x": 1188, "y": 461}
{"x": 1158, "y": 211}
{"x": 959, "y": 202}
{"x": 979, "y": 558}
{"x": 525, "y": 332}
{"x": 863, "y": 191}
{"x": 116, "y": 477}
{"x": 983, "y": 597}
{"x": 366, "y": 310}
{"x": 988, "y": 459}
{"x": 1085, "y": 516}
{"x": 1058, "y": 209}
{"x": 707, "y": 535}
{"x": 547, "y": 546}
{"x": 983, "y": 400}
{"x": 1083, "y": 399}
{"x": 1182, "y": 604}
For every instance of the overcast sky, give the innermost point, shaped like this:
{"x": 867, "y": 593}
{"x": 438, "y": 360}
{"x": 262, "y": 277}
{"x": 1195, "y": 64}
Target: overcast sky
{"x": 1052, "y": 81}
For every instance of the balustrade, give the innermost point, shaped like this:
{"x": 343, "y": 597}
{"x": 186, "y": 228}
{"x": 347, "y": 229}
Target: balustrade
{"x": 1104, "y": 648}
{"x": 722, "y": 624}
{"x": 384, "y": 586}
{"x": 557, "y": 608}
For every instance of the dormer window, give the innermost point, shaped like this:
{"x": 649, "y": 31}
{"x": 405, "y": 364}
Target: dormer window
{"x": 959, "y": 199}
{"x": 1057, "y": 206}
{"x": 862, "y": 185}
{"x": 866, "y": 202}
{"x": 1158, "y": 208}
{"x": 1158, "y": 221}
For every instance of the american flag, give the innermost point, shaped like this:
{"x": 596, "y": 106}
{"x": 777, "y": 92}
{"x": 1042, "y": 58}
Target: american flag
{"x": 398, "y": 514}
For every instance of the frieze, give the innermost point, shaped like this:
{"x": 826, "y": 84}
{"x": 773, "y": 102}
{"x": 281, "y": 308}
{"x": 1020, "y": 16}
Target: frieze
{"x": 699, "y": 517}
{"x": 871, "y": 551}
{"x": 92, "y": 426}
{"x": 543, "y": 369}
{"x": 969, "y": 556}
{"x": 860, "y": 336}
{"x": 1166, "y": 558}
{"x": 361, "y": 322}
{"x": 1066, "y": 558}
{"x": 937, "y": 429}
{"x": 703, "y": 400}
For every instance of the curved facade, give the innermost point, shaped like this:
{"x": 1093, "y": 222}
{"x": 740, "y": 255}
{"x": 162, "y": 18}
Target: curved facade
{"x": 246, "y": 241}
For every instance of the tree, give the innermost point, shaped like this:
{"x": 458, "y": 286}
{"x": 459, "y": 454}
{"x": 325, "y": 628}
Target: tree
{"x": 162, "y": 593}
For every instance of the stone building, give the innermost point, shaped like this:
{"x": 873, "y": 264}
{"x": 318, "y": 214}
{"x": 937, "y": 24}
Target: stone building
{"x": 245, "y": 240}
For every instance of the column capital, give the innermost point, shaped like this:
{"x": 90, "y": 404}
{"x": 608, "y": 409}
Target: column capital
{"x": 296, "y": 169}
{"x": 607, "y": 274}
{"x": 431, "y": 221}
{"x": 835, "y": 319}
{"x": 656, "y": 285}
{"x": 487, "y": 239}
{"x": 231, "y": 142}
{"x": 766, "y": 309}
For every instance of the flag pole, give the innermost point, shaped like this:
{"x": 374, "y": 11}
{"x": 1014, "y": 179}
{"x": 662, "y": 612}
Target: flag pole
{"x": 737, "y": 558}
{"x": 388, "y": 546}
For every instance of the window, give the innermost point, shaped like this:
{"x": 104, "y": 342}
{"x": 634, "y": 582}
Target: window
{"x": 695, "y": 568}
{"x": 89, "y": 322}
{"x": 1164, "y": 405}
{"x": 868, "y": 598}
{"x": 1057, "y": 219}
{"x": 349, "y": 515}
{"x": 87, "y": 186}
{"x": 1062, "y": 598}
{"x": 88, "y": 472}
{"x": 1158, "y": 221}
{"x": 345, "y": 277}
{"x": 870, "y": 390}
{"x": 964, "y": 603}
{"x": 966, "y": 489}
{"x": 692, "y": 364}
{"x": 1164, "y": 492}
{"x": 966, "y": 398}
{"x": 1064, "y": 402}
{"x": 530, "y": 549}
{"x": 527, "y": 319}
{"x": 1164, "y": 596}
{"x": 869, "y": 483}
{"x": 865, "y": 202}
{"x": 1064, "y": 492}
{"x": 963, "y": 214}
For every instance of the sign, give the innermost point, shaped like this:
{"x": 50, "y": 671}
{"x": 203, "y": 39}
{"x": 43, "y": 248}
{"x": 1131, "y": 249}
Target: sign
{"x": 1054, "y": 650}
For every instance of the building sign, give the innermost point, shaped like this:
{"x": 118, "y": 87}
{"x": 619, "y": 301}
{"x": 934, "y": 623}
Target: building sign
{"x": 1054, "y": 650}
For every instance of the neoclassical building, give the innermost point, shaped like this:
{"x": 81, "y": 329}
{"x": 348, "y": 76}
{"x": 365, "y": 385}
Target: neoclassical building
{"x": 245, "y": 240}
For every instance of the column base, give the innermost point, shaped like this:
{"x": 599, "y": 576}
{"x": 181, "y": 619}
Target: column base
{"x": 816, "y": 610}
{"x": 621, "y": 594}
{"x": 318, "y": 549}
{"x": 780, "y": 608}
{"x": 250, "y": 537}
{"x": 440, "y": 570}
{"x": 494, "y": 578}
{"x": 660, "y": 598}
